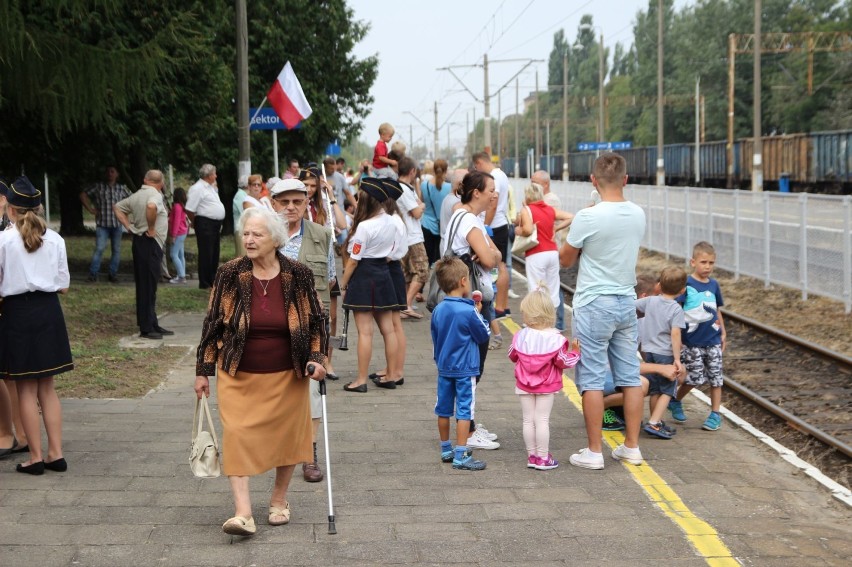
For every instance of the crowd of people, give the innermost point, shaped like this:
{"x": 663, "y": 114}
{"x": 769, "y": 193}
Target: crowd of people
{"x": 395, "y": 226}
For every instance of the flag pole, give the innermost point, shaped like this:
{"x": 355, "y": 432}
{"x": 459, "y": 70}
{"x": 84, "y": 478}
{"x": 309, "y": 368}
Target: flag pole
{"x": 257, "y": 111}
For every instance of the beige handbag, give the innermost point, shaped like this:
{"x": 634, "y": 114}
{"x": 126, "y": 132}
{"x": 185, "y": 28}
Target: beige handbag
{"x": 524, "y": 243}
{"x": 204, "y": 453}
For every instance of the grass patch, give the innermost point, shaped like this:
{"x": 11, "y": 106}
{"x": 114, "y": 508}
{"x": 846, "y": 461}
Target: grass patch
{"x": 99, "y": 314}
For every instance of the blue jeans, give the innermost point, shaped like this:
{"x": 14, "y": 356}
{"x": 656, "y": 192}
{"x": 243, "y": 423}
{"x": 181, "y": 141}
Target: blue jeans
{"x": 102, "y": 234}
{"x": 607, "y": 331}
{"x": 177, "y": 256}
{"x": 560, "y": 313}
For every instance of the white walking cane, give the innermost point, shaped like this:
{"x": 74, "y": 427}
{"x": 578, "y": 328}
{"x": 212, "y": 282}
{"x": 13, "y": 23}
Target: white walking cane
{"x": 331, "y": 527}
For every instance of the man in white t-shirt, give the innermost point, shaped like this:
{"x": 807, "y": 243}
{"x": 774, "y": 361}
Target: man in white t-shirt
{"x": 497, "y": 217}
{"x": 415, "y": 263}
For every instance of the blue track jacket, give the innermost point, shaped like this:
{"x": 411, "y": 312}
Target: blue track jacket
{"x": 457, "y": 330}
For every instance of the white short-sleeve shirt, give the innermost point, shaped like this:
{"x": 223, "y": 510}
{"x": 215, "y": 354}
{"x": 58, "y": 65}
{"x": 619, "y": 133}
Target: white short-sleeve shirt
{"x": 45, "y": 269}
{"x": 406, "y": 203}
{"x": 374, "y": 238}
{"x": 466, "y": 222}
{"x": 400, "y": 240}
{"x": 501, "y": 186}
{"x": 202, "y": 199}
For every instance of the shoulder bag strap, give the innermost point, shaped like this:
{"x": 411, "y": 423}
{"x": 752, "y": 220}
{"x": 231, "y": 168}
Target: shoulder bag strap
{"x": 432, "y": 199}
{"x": 453, "y": 229}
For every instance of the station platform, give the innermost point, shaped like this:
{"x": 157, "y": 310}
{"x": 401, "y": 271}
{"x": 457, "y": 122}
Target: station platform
{"x": 128, "y": 498}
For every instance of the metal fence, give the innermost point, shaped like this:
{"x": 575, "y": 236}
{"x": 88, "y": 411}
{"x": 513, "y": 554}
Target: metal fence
{"x": 798, "y": 240}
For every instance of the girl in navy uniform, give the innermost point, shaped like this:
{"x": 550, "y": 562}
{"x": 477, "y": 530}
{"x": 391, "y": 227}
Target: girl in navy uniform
{"x": 367, "y": 282}
{"x": 393, "y": 377}
{"x": 33, "y": 269}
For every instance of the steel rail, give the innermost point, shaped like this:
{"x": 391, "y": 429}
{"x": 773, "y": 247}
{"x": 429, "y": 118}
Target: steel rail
{"x": 791, "y": 420}
{"x": 827, "y": 353}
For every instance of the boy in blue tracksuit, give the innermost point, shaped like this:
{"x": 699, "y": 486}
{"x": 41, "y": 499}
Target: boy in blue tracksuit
{"x": 457, "y": 330}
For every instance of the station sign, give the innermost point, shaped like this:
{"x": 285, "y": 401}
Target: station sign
{"x": 266, "y": 119}
{"x": 595, "y": 146}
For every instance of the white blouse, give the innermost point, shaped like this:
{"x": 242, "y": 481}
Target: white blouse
{"x": 374, "y": 238}
{"x": 46, "y": 269}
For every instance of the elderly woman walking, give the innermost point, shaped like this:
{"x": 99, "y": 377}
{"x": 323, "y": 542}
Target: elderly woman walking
{"x": 264, "y": 327}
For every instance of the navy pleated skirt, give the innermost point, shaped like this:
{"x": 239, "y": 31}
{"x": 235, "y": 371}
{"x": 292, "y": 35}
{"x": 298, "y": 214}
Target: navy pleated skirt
{"x": 398, "y": 278}
{"x": 33, "y": 336}
{"x": 371, "y": 288}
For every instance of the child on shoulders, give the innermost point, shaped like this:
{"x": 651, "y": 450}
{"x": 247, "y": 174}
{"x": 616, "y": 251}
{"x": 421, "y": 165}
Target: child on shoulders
{"x": 540, "y": 353}
{"x": 382, "y": 161}
{"x": 457, "y": 330}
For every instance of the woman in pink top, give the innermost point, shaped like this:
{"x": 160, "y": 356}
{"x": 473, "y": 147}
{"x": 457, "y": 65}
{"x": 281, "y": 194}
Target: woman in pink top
{"x": 543, "y": 260}
{"x": 178, "y": 229}
{"x": 540, "y": 353}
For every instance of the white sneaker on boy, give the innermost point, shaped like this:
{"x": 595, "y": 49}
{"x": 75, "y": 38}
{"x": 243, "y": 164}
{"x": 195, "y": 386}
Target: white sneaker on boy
{"x": 478, "y": 441}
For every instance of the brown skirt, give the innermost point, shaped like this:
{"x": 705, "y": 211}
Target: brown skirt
{"x": 266, "y": 421}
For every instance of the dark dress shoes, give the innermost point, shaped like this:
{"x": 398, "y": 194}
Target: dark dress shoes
{"x": 59, "y": 465}
{"x": 153, "y": 335}
{"x": 311, "y": 472}
{"x": 387, "y": 384}
{"x": 15, "y": 448}
{"x": 163, "y": 331}
{"x": 35, "y": 468}
{"x": 360, "y": 389}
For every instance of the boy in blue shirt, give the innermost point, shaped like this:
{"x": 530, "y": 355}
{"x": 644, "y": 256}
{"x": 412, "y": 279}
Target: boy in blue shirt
{"x": 457, "y": 332}
{"x": 704, "y": 338}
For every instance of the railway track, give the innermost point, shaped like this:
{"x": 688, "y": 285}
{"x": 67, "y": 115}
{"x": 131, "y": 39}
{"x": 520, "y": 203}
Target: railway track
{"x": 802, "y": 384}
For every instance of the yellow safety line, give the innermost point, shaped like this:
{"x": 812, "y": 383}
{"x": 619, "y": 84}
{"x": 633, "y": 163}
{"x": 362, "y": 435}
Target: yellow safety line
{"x": 700, "y": 534}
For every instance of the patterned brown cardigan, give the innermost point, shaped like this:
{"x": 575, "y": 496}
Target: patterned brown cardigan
{"x": 223, "y": 336}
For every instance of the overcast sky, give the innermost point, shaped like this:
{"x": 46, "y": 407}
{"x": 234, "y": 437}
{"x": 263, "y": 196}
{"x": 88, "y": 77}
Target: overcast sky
{"x": 414, "y": 38}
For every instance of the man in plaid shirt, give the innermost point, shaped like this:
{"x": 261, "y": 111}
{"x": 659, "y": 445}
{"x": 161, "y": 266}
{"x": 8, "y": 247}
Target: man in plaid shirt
{"x": 99, "y": 200}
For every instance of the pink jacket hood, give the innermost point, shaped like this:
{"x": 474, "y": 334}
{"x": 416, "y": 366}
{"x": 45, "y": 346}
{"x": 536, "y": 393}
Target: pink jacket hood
{"x": 540, "y": 357}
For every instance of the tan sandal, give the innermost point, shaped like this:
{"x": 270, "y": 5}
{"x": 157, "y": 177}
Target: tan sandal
{"x": 239, "y": 525}
{"x": 278, "y": 511}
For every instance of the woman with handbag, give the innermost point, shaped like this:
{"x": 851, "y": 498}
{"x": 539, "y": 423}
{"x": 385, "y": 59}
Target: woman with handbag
{"x": 467, "y": 238}
{"x": 536, "y": 226}
{"x": 263, "y": 336}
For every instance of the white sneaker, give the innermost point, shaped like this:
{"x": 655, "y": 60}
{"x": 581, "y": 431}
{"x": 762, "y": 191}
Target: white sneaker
{"x": 485, "y": 433}
{"x": 632, "y": 456}
{"x": 587, "y": 459}
{"x": 513, "y": 295}
{"x": 478, "y": 441}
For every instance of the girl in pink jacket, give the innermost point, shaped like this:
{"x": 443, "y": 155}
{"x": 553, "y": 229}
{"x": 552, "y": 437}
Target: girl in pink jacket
{"x": 540, "y": 353}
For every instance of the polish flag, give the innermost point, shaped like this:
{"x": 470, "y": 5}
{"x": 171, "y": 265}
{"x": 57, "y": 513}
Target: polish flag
{"x": 286, "y": 97}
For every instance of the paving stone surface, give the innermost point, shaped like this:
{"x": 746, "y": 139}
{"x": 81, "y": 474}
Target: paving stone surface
{"x": 128, "y": 497}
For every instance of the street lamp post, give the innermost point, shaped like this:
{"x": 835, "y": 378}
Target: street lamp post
{"x": 565, "y": 116}
{"x": 661, "y": 164}
{"x": 601, "y": 101}
{"x": 601, "y": 91}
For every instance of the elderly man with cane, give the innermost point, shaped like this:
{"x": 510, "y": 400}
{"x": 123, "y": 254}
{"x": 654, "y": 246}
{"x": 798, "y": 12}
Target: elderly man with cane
{"x": 309, "y": 244}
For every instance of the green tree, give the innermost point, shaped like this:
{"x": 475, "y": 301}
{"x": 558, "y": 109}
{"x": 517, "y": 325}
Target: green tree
{"x": 143, "y": 86}
{"x": 318, "y": 41}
